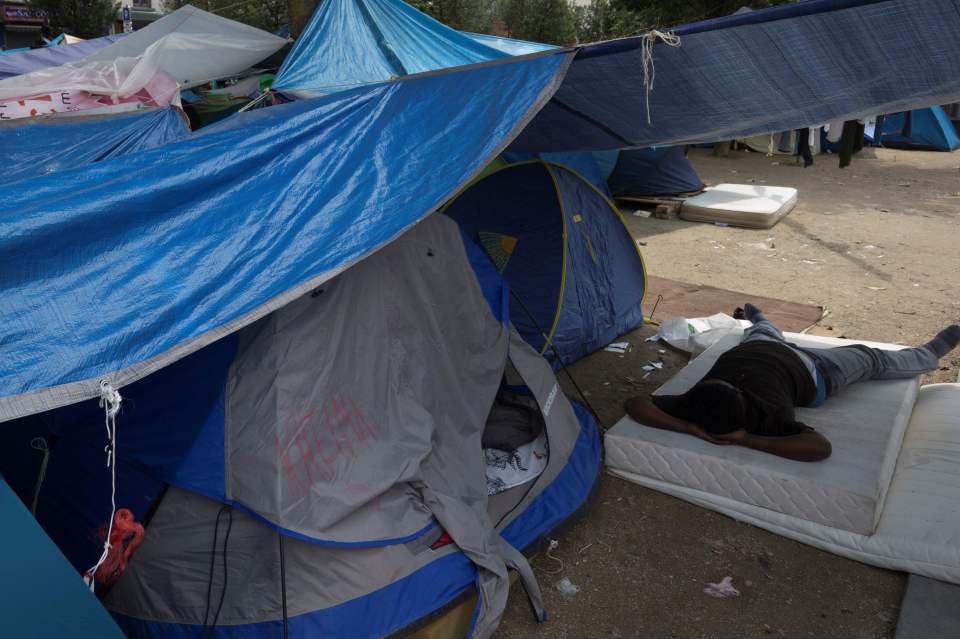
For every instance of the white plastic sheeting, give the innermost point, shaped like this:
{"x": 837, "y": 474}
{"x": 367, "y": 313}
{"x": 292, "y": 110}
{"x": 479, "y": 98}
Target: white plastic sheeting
{"x": 207, "y": 46}
{"x": 187, "y": 48}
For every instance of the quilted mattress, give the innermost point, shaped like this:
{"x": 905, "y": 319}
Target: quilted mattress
{"x": 919, "y": 528}
{"x": 747, "y": 205}
{"x": 865, "y": 425}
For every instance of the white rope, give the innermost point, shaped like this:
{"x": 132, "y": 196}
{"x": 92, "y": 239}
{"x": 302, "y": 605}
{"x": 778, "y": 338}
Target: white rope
{"x": 646, "y": 55}
{"x": 40, "y": 444}
{"x": 110, "y": 402}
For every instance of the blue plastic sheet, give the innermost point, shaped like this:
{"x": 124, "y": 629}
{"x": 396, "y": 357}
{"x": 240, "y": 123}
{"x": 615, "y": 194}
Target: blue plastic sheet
{"x": 45, "y": 598}
{"x": 35, "y": 147}
{"x": 133, "y": 262}
{"x": 22, "y": 62}
{"x": 364, "y": 41}
{"x": 770, "y": 70}
{"x": 508, "y": 45}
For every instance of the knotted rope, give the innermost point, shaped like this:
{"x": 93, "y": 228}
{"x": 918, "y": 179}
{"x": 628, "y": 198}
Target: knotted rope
{"x": 646, "y": 56}
{"x": 110, "y": 403}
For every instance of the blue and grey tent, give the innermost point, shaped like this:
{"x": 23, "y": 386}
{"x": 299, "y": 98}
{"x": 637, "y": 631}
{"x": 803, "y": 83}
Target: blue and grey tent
{"x": 301, "y": 477}
{"x": 920, "y": 129}
{"x": 654, "y": 171}
{"x": 574, "y": 270}
{"x": 40, "y": 146}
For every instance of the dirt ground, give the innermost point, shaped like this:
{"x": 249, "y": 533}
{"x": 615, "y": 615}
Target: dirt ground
{"x": 876, "y": 245}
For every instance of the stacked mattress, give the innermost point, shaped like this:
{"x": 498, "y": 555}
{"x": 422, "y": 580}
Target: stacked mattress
{"x": 889, "y": 495}
{"x": 746, "y": 205}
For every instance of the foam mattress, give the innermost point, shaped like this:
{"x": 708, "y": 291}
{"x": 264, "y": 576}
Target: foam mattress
{"x": 746, "y": 205}
{"x": 846, "y": 492}
{"x": 919, "y": 528}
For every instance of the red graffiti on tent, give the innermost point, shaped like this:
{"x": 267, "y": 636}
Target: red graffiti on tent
{"x": 315, "y": 442}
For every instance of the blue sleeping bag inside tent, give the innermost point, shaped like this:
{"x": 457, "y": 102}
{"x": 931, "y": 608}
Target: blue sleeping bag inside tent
{"x": 576, "y": 274}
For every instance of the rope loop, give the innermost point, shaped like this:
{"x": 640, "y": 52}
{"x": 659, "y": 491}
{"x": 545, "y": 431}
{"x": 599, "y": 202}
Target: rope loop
{"x": 646, "y": 56}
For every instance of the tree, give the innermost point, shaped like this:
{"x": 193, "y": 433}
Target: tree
{"x": 82, "y": 18}
{"x": 268, "y": 15}
{"x": 670, "y": 13}
{"x": 548, "y": 21}
{"x": 601, "y": 20}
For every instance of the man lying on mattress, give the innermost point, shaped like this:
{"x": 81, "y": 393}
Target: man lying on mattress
{"x": 748, "y": 397}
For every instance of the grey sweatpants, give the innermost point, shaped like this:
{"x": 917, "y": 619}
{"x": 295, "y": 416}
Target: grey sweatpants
{"x": 847, "y": 365}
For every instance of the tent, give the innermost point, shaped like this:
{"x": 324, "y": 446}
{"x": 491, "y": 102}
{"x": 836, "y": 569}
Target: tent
{"x": 342, "y": 463}
{"x": 575, "y": 271}
{"x": 654, "y": 171}
{"x": 40, "y": 146}
{"x": 921, "y": 129}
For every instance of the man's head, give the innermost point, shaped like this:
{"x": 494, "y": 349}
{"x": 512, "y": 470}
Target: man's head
{"x": 717, "y": 406}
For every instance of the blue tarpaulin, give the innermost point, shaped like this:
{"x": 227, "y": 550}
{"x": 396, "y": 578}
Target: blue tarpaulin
{"x": 126, "y": 265}
{"x": 35, "y": 147}
{"x": 41, "y": 582}
{"x": 926, "y": 129}
{"x": 353, "y": 42}
{"x": 510, "y": 46}
{"x": 771, "y": 70}
{"x": 34, "y": 59}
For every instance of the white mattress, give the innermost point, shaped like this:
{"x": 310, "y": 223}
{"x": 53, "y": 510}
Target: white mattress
{"x": 865, "y": 424}
{"x": 919, "y": 529}
{"x": 746, "y": 205}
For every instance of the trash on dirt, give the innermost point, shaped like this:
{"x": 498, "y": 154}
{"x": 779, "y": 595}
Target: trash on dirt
{"x": 567, "y": 587}
{"x": 641, "y": 213}
{"x": 723, "y": 589}
{"x": 652, "y": 366}
{"x": 877, "y": 288}
{"x": 618, "y": 347}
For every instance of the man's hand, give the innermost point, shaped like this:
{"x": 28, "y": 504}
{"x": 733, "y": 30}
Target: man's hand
{"x": 697, "y": 431}
{"x": 733, "y": 437}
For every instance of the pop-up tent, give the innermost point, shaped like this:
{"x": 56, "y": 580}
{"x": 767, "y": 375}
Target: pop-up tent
{"x": 921, "y": 129}
{"x": 575, "y": 271}
{"x": 655, "y": 171}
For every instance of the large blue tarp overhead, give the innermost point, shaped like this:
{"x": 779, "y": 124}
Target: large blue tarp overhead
{"x": 771, "y": 70}
{"x": 128, "y": 264}
{"x": 22, "y": 62}
{"x": 353, "y": 42}
{"x": 35, "y": 147}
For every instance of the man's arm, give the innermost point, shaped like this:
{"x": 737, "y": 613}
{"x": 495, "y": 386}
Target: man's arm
{"x": 645, "y": 412}
{"x": 807, "y": 446}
